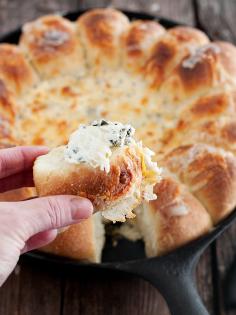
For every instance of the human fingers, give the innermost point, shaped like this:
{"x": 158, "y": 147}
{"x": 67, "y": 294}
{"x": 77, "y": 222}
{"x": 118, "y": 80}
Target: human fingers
{"x": 23, "y": 179}
{"x": 47, "y": 213}
{"x": 18, "y": 159}
{"x": 40, "y": 239}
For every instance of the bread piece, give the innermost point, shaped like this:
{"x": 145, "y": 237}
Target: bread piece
{"x": 173, "y": 219}
{"x": 18, "y": 194}
{"x": 199, "y": 121}
{"x": 138, "y": 41}
{"x": 169, "y": 50}
{"x": 219, "y": 133}
{"x": 51, "y": 44}
{"x": 210, "y": 67}
{"x": 8, "y": 109}
{"x": 15, "y": 70}
{"x": 119, "y": 190}
{"x": 82, "y": 241}
{"x": 100, "y": 31}
{"x": 210, "y": 106}
{"x": 209, "y": 173}
{"x": 103, "y": 162}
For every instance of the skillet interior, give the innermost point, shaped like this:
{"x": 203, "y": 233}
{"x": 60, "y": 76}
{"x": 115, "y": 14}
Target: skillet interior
{"x": 125, "y": 249}
{"x": 168, "y": 273}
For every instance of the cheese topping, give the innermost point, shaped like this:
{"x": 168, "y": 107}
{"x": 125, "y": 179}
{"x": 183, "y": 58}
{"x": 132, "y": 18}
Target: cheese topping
{"x": 151, "y": 173}
{"x": 199, "y": 54}
{"x": 92, "y": 144}
{"x": 54, "y": 37}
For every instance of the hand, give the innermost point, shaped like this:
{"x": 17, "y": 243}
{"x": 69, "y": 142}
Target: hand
{"x": 26, "y": 225}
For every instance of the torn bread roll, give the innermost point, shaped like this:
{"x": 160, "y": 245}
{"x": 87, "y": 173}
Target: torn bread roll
{"x": 173, "y": 219}
{"x": 209, "y": 173}
{"x": 81, "y": 241}
{"x": 103, "y": 163}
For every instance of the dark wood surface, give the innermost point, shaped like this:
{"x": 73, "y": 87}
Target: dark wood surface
{"x": 33, "y": 289}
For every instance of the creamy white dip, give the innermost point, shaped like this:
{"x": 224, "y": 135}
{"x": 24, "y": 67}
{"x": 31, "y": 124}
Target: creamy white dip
{"x": 92, "y": 144}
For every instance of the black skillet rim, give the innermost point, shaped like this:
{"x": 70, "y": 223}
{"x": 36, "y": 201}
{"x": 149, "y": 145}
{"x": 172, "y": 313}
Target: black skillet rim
{"x": 201, "y": 242}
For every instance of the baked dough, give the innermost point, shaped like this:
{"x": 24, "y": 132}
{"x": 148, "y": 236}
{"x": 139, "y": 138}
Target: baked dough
{"x": 81, "y": 241}
{"x": 116, "y": 180}
{"x": 210, "y": 174}
{"x": 174, "y": 86}
{"x": 53, "y": 47}
{"x": 173, "y": 219}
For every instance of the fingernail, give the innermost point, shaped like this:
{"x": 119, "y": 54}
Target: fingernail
{"x": 81, "y": 208}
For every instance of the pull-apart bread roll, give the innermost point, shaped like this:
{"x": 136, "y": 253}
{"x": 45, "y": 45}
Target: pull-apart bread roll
{"x": 173, "y": 219}
{"x": 209, "y": 173}
{"x": 168, "y": 51}
{"x": 209, "y": 119}
{"x": 82, "y": 241}
{"x": 100, "y": 31}
{"x": 7, "y": 115}
{"x": 220, "y": 133}
{"x": 15, "y": 70}
{"x": 17, "y": 77}
{"x": 104, "y": 163}
{"x": 53, "y": 47}
{"x": 138, "y": 42}
{"x": 209, "y": 67}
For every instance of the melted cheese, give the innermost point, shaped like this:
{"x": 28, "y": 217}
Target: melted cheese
{"x": 151, "y": 173}
{"x": 53, "y": 110}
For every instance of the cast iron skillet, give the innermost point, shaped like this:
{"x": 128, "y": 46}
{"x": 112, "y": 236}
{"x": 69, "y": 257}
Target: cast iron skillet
{"x": 172, "y": 274}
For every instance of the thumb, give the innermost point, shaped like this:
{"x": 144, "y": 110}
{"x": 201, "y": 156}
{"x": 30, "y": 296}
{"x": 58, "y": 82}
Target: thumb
{"x": 42, "y": 214}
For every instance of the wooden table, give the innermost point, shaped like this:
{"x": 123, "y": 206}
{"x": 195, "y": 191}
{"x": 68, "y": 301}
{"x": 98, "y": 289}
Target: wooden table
{"x": 33, "y": 290}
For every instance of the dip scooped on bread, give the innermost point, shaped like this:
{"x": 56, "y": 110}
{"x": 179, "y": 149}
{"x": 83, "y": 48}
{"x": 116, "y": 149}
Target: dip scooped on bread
{"x": 104, "y": 163}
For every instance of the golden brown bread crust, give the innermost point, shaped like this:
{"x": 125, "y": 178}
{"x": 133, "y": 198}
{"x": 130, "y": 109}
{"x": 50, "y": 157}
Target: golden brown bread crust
{"x": 212, "y": 106}
{"x": 15, "y": 70}
{"x": 219, "y": 132}
{"x": 58, "y": 176}
{"x": 206, "y": 120}
{"x": 100, "y": 31}
{"x": 7, "y": 102}
{"x": 137, "y": 42}
{"x": 18, "y": 194}
{"x": 168, "y": 51}
{"x": 77, "y": 242}
{"x": 200, "y": 72}
{"x": 178, "y": 217}
{"x": 8, "y": 109}
{"x": 53, "y": 47}
{"x": 227, "y": 59}
{"x": 210, "y": 174}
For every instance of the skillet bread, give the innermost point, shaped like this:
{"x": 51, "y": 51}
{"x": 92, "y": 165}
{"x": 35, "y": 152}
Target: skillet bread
{"x": 173, "y": 85}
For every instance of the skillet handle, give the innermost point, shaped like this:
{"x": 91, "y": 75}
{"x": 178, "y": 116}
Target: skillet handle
{"x": 175, "y": 281}
{"x": 180, "y": 294}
